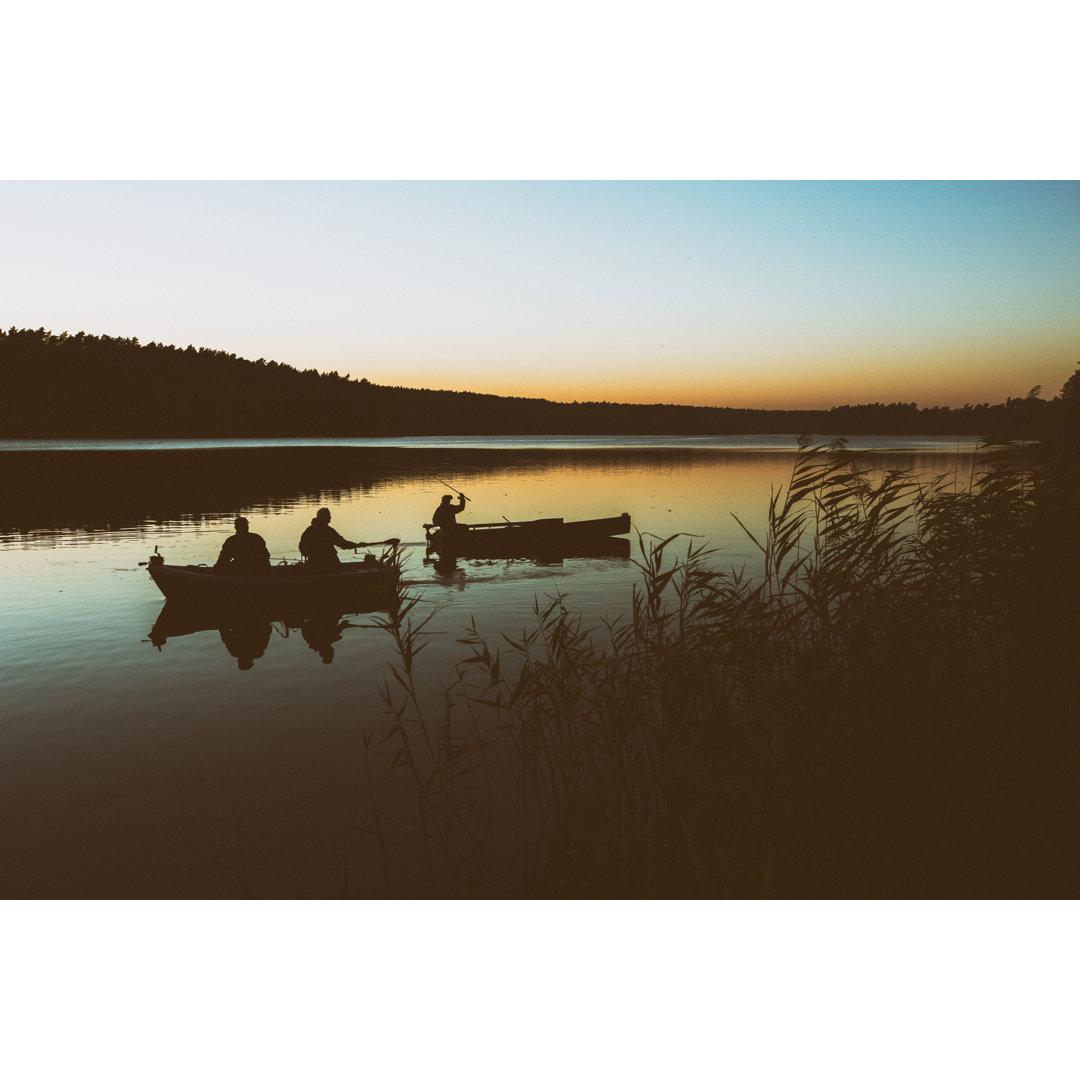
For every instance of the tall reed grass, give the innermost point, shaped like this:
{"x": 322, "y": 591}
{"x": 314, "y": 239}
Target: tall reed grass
{"x": 885, "y": 707}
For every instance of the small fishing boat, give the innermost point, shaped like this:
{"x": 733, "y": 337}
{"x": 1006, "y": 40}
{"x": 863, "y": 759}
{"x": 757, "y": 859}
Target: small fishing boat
{"x": 284, "y": 584}
{"x": 543, "y": 535}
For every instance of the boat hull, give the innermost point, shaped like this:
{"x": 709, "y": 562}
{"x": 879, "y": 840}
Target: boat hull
{"x": 290, "y": 585}
{"x": 545, "y": 536}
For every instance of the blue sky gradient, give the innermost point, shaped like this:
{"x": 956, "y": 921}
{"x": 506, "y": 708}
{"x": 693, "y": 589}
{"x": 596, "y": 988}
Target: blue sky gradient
{"x": 771, "y": 294}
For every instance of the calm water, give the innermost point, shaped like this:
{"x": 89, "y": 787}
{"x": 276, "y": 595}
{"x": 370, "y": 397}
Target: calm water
{"x": 180, "y": 769}
{"x": 497, "y": 442}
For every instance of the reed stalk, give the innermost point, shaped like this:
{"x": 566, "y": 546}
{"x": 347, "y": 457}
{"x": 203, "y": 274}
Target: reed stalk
{"x": 860, "y": 716}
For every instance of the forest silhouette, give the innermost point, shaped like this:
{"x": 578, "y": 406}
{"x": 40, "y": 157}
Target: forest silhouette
{"x": 87, "y": 386}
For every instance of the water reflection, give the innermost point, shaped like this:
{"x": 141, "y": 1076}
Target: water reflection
{"x": 246, "y": 641}
{"x": 246, "y": 632}
{"x": 539, "y": 551}
{"x": 446, "y": 566}
{"x": 110, "y": 773}
{"x": 93, "y": 491}
{"x": 103, "y": 492}
{"x": 321, "y": 630}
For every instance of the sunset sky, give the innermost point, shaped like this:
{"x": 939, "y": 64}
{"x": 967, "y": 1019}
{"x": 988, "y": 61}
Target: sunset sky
{"x": 781, "y": 294}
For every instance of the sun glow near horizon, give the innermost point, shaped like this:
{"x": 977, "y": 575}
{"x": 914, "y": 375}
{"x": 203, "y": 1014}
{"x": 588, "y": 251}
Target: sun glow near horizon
{"x": 761, "y": 295}
{"x": 944, "y": 373}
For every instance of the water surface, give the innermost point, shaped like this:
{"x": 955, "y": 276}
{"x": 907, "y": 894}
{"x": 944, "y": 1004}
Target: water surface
{"x": 218, "y": 761}
{"x": 779, "y": 441}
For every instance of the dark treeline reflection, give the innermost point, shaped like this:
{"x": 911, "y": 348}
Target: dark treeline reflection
{"x": 92, "y": 490}
{"x": 84, "y": 386}
{"x": 96, "y": 490}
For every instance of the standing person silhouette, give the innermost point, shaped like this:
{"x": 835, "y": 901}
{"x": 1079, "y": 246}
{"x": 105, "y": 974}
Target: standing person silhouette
{"x": 318, "y": 541}
{"x": 244, "y": 552}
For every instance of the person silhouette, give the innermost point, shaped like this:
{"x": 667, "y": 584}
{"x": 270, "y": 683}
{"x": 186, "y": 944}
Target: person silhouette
{"x": 445, "y": 516}
{"x": 318, "y": 541}
{"x": 244, "y": 552}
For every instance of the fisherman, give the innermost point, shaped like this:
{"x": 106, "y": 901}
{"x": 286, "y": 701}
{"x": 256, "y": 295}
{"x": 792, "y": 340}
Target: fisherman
{"x": 445, "y": 516}
{"x": 244, "y": 552}
{"x": 318, "y": 541}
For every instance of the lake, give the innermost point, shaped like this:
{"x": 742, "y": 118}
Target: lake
{"x": 217, "y": 761}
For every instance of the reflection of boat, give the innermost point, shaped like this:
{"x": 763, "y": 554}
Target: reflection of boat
{"x": 601, "y": 547}
{"x": 294, "y": 583}
{"x": 544, "y": 536}
{"x": 245, "y": 630}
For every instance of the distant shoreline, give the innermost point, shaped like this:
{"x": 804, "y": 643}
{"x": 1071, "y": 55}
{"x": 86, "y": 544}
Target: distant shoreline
{"x": 82, "y": 387}
{"x": 778, "y": 441}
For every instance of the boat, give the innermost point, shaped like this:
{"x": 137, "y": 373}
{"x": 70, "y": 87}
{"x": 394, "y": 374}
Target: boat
{"x": 284, "y": 584}
{"x": 547, "y": 536}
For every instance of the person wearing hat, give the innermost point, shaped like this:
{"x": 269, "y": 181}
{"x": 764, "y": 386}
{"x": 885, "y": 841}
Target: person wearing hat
{"x": 244, "y": 552}
{"x": 318, "y": 540}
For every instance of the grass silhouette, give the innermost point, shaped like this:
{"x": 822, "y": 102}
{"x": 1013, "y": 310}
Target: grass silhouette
{"x": 886, "y": 707}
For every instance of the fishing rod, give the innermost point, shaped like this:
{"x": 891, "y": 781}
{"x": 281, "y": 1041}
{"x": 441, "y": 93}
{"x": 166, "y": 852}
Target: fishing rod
{"x": 453, "y": 489}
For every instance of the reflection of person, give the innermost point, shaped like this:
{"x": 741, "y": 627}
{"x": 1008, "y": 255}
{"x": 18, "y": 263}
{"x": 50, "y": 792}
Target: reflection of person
{"x": 246, "y": 641}
{"x": 318, "y": 541}
{"x": 446, "y": 513}
{"x": 244, "y": 552}
{"x": 320, "y": 632}
{"x": 446, "y": 566}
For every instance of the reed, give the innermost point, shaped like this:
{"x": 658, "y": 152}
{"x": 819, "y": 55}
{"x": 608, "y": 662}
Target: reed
{"x": 883, "y": 708}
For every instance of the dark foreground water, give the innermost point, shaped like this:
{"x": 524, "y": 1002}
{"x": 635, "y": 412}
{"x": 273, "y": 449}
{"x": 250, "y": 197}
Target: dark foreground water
{"x": 225, "y": 761}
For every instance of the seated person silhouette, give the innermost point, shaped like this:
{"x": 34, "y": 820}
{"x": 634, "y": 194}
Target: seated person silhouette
{"x": 244, "y": 552}
{"x": 446, "y": 513}
{"x": 318, "y": 540}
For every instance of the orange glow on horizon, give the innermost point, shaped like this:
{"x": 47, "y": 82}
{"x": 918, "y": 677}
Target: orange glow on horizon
{"x": 951, "y": 377}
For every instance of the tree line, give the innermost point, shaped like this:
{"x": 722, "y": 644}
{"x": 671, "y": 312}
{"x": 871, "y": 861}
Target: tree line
{"x": 95, "y": 386}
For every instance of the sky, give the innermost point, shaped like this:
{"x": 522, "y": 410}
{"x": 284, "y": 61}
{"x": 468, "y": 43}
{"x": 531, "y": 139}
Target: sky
{"x": 782, "y": 294}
